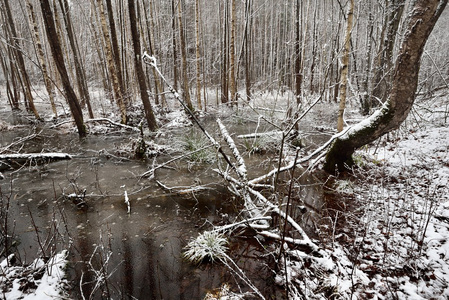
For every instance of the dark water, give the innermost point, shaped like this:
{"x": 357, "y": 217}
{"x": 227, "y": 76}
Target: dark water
{"x": 140, "y": 253}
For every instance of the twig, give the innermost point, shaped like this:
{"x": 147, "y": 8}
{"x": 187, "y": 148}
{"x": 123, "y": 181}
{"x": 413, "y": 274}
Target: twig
{"x": 150, "y": 173}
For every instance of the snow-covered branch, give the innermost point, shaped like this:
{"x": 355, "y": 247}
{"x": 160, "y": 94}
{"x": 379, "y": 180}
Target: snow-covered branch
{"x": 113, "y": 123}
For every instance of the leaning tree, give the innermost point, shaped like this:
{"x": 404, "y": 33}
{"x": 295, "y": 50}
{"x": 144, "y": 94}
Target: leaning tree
{"x": 418, "y": 26}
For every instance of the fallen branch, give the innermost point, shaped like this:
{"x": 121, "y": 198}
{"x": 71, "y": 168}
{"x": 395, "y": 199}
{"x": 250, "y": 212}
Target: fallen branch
{"x": 241, "y": 167}
{"x": 30, "y": 156}
{"x": 260, "y": 134}
{"x": 113, "y": 123}
{"x": 150, "y": 173}
{"x": 300, "y": 161}
{"x": 20, "y": 141}
{"x": 182, "y": 190}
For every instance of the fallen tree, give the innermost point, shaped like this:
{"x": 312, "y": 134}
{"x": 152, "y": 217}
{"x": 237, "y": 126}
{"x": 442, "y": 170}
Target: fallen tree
{"x": 9, "y": 161}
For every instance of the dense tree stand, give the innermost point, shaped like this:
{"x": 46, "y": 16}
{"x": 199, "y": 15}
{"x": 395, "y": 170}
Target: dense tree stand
{"x": 420, "y": 23}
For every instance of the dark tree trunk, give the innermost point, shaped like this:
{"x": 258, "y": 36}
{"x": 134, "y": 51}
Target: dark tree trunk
{"x": 151, "y": 120}
{"x": 298, "y": 55}
{"x": 420, "y": 23}
{"x": 58, "y": 57}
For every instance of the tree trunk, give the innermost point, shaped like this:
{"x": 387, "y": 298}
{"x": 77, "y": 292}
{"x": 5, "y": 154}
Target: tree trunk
{"x": 114, "y": 44}
{"x": 113, "y": 71}
{"x": 41, "y": 57}
{"x": 198, "y": 54}
{"x": 232, "y": 75}
{"x": 345, "y": 67}
{"x": 79, "y": 70}
{"x": 56, "y": 52}
{"x": 248, "y": 27}
{"x": 224, "y": 56}
{"x": 174, "y": 46}
{"x": 384, "y": 62}
{"x": 19, "y": 59}
{"x": 365, "y": 103}
{"x": 419, "y": 24}
{"x": 185, "y": 79}
{"x": 151, "y": 120}
{"x": 298, "y": 54}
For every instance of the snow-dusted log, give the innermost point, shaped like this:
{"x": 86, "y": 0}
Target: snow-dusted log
{"x": 274, "y": 134}
{"x": 290, "y": 165}
{"x": 241, "y": 167}
{"x": 9, "y": 161}
{"x": 183, "y": 190}
{"x": 113, "y": 123}
{"x": 31, "y": 156}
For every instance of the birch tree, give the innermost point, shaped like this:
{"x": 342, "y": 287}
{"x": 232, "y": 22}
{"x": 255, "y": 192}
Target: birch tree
{"x": 345, "y": 67}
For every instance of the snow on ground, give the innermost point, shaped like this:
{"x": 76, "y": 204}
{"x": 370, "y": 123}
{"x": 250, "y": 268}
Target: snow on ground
{"x": 389, "y": 230}
{"x": 36, "y": 281}
{"x": 403, "y": 242}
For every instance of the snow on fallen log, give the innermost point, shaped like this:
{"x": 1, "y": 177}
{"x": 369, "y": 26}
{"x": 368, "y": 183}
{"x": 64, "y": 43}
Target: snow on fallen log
{"x": 31, "y": 156}
{"x": 9, "y": 161}
{"x": 113, "y": 123}
{"x": 270, "y": 134}
{"x": 241, "y": 167}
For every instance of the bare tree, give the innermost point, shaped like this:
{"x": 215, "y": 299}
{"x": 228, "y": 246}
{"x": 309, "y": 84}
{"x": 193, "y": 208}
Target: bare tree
{"x": 384, "y": 61}
{"x": 151, "y": 120}
{"x": 232, "y": 62}
{"x": 419, "y": 24}
{"x": 83, "y": 91}
{"x": 345, "y": 67}
{"x": 113, "y": 68}
{"x": 41, "y": 56}
{"x": 198, "y": 54}
{"x": 17, "y": 51}
{"x": 184, "y": 75}
{"x": 58, "y": 57}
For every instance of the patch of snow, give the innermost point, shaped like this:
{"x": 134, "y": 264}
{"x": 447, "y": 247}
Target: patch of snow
{"x": 37, "y": 281}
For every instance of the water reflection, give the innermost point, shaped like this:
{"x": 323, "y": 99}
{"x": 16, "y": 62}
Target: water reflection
{"x": 139, "y": 253}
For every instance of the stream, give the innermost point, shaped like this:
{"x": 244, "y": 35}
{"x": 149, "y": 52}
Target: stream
{"x": 140, "y": 252}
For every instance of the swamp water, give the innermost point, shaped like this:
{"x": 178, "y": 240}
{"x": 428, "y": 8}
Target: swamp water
{"x": 139, "y": 252}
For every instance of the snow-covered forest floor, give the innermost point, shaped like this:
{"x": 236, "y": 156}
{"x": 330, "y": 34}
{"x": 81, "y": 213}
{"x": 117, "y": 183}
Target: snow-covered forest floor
{"x": 388, "y": 232}
{"x": 385, "y": 231}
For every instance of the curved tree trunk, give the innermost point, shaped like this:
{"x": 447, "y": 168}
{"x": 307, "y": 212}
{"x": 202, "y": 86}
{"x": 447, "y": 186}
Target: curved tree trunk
{"x": 420, "y": 23}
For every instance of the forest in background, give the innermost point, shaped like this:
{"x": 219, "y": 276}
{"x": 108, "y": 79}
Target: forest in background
{"x": 234, "y": 48}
